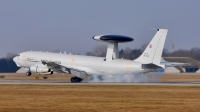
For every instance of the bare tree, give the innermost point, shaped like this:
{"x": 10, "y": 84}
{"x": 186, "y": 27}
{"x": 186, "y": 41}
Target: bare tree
{"x": 165, "y": 53}
{"x": 126, "y": 53}
{"x": 100, "y": 51}
{"x": 129, "y": 53}
{"x": 56, "y": 51}
{"x": 192, "y": 53}
{"x": 144, "y": 46}
{"x": 10, "y": 55}
{"x": 90, "y": 54}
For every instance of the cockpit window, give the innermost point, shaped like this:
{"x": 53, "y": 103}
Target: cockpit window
{"x": 18, "y": 56}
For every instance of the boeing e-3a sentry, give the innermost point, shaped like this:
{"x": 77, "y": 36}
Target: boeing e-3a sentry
{"x": 90, "y": 66}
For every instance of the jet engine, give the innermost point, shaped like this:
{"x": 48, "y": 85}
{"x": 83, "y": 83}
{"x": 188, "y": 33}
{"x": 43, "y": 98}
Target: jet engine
{"x": 40, "y": 70}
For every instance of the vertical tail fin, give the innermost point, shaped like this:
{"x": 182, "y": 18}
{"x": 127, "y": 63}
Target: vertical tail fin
{"x": 153, "y": 52}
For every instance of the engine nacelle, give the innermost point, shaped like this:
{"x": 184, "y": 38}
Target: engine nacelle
{"x": 40, "y": 70}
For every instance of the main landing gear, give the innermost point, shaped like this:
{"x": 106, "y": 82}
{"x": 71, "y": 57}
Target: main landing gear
{"x": 76, "y": 79}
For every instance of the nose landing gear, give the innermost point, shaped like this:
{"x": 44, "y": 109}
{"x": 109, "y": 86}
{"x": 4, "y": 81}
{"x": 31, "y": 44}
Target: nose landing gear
{"x": 28, "y": 73}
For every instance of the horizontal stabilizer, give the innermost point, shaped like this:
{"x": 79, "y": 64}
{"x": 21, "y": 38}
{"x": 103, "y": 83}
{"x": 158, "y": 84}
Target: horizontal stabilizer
{"x": 173, "y": 64}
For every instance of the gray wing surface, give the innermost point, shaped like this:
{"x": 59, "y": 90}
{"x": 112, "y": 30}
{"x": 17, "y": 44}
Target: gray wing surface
{"x": 81, "y": 72}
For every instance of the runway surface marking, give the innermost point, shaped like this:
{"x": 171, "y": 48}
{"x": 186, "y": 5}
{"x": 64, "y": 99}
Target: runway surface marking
{"x": 32, "y": 82}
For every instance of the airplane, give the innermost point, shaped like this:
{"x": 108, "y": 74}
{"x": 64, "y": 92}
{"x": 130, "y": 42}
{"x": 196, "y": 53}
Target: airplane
{"x": 46, "y": 63}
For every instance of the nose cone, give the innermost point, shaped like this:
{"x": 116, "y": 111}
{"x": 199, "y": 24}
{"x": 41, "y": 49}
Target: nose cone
{"x": 15, "y": 59}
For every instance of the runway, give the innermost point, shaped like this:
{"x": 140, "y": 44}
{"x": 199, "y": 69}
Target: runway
{"x": 60, "y": 79}
{"x": 34, "y": 82}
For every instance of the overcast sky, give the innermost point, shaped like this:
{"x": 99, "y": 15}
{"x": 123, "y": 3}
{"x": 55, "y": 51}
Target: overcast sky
{"x": 69, "y": 25}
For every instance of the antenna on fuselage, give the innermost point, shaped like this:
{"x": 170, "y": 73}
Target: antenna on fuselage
{"x": 113, "y": 40}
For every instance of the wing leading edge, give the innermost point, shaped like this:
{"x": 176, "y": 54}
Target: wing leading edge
{"x": 82, "y": 72}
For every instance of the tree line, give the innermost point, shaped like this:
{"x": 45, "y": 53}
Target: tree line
{"x": 7, "y": 65}
{"x": 132, "y": 54}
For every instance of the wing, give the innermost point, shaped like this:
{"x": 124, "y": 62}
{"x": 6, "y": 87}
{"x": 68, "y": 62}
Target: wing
{"x": 81, "y": 72}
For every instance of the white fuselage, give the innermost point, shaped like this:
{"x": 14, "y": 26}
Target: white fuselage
{"x": 83, "y": 66}
{"x": 91, "y": 65}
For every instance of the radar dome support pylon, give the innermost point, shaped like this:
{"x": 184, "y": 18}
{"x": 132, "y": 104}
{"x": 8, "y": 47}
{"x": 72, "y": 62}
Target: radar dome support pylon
{"x": 113, "y": 40}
